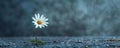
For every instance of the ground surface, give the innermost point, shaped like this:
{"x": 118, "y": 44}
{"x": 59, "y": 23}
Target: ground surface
{"x": 61, "y": 42}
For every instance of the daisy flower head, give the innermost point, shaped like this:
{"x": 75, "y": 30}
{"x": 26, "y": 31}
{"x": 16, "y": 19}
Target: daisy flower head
{"x": 40, "y": 21}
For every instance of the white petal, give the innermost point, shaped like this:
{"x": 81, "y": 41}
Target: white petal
{"x": 46, "y": 19}
{"x": 33, "y": 18}
{"x": 36, "y": 26}
{"x": 33, "y": 21}
{"x": 42, "y": 16}
{"x": 40, "y": 26}
{"x": 42, "y": 19}
{"x": 36, "y": 16}
{"x": 45, "y": 24}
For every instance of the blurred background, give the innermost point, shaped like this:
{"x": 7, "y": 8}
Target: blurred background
{"x": 66, "y": 17}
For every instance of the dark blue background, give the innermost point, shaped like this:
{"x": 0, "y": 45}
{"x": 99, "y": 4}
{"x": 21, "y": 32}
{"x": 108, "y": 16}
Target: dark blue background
{"x": 66, "y": 17}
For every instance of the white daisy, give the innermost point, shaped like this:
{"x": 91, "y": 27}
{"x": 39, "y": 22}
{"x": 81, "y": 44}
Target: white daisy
{"x": 40, "y": 21}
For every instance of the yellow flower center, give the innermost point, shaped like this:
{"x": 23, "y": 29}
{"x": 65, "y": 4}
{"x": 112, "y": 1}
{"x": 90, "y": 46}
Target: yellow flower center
{"x": 39, "y": 22}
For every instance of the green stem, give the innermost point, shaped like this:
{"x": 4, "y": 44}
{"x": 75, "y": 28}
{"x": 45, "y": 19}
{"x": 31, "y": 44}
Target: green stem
{"x": 36, "y": 37}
